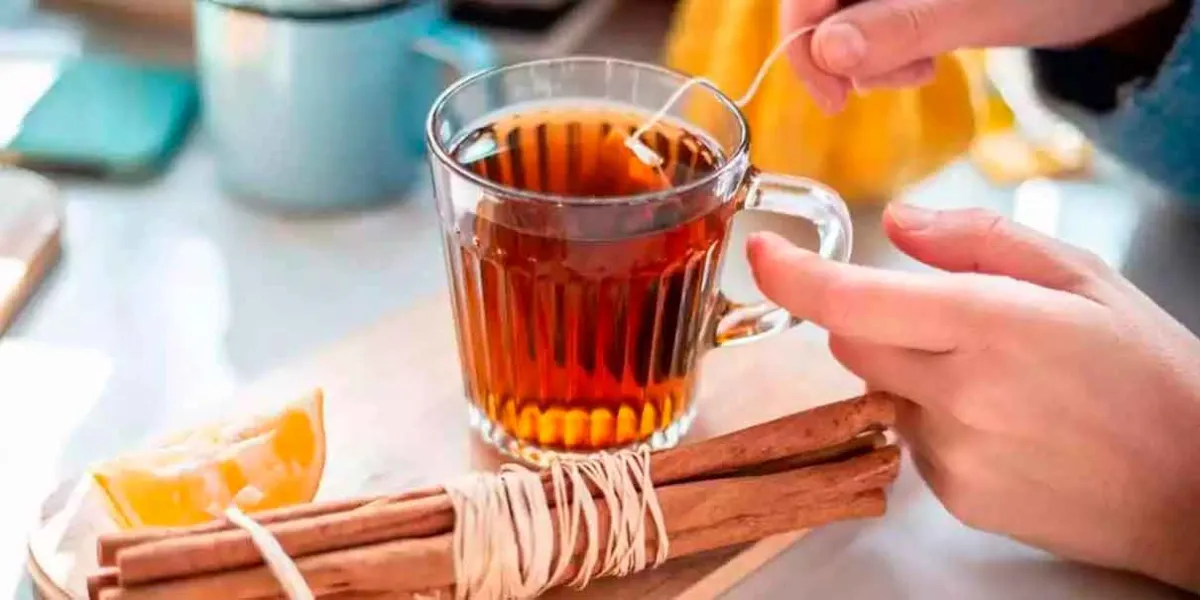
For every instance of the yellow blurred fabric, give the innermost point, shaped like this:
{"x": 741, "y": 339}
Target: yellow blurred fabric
{"x": 883, "y": 142}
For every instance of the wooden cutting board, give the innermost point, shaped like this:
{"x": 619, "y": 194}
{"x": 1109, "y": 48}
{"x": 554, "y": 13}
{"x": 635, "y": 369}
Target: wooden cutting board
{"x": 396, "y": 419}
{"x": 30, "y": 225}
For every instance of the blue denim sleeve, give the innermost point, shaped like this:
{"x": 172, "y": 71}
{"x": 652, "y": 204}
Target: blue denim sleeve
{"x": 1151, "y": 125}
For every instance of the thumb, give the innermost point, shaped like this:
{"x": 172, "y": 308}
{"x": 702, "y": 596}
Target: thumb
{"x": 828, "y": 90}
{"x": 981, "y": 241}
{"x": 876, "y": 37}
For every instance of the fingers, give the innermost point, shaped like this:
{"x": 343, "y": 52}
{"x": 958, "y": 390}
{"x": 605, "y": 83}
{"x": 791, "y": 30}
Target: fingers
{"x": 830, "y": 91}
{"x": 910, "y": 418}
{"x": 941, "y": 451}
{"x": 915, "y": 374}
{"x": 876, "y": 37}
{"x": 909, "y": 310}
{"x": 873, "y": 38}
{"x": 928, "y": 438}
{"x": 960, "y": 465}
{"x": 978, "y": 241}
{"x": 914, "y": 74}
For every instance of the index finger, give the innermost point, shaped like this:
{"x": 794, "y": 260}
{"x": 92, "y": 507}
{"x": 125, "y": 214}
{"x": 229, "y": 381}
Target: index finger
{"x": 909, "y": 310}
{"x": 829, "y": 90}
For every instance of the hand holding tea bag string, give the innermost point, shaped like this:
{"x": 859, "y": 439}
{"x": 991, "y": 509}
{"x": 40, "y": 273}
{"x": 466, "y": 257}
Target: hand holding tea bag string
{"x": 892, "y": 43}
{"x": 1051, "y": 401}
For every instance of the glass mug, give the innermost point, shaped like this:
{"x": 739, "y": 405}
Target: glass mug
{"x": 584, "y": 283}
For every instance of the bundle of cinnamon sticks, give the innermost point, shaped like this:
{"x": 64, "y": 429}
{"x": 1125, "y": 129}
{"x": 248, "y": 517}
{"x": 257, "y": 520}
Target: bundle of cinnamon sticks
{"x": 827, "y": 464}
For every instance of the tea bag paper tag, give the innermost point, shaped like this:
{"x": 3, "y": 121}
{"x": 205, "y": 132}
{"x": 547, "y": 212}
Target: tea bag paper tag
{"x": 643, "y": 152}
{"x": 651, "y": 158}
{"x": 646, "y": 171}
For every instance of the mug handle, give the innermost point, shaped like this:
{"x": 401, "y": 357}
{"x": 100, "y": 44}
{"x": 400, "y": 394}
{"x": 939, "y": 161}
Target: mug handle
{"x": 460, "y": 47}
{"x": 794, "y": 197}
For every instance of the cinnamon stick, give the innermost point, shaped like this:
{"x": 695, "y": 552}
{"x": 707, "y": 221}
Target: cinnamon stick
{"x": 808, "y": 431}
{"x": 417, "y": 565}
{"x": 222, "y": 550}
{"x": 108, "y": 545}
{"x": 858, "y": 446}
{"x": 803, "y": 438}
{"x": 701, "y": 515}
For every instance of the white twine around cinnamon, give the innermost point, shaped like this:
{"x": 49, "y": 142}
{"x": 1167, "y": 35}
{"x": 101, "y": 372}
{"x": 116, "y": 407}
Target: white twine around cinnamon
{"x": 505, "y": 544}
{"x": 508, "y": 543}
{"x": 651, "y": 158}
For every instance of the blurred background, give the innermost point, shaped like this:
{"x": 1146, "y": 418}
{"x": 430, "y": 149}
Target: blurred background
{"x": 159, "y": 245}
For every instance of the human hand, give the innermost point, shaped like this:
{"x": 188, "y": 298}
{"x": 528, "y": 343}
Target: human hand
{"x": 1050, "y": 400}
{"x": 891, "y": 43}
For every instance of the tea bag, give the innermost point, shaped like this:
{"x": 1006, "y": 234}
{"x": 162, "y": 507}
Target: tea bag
{"x": 642, "y": 173}
{"x": 647, "y": 155}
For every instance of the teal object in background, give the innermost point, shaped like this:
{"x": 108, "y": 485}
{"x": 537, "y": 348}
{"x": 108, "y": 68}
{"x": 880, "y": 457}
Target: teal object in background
{"x": 313, "y": 106}
{"x": 108, "y": 117}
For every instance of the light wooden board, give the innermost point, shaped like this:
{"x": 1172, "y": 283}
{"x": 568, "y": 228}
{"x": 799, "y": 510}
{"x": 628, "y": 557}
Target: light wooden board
{"x": 396, "y": 418}
{"x": 30, "y": 225}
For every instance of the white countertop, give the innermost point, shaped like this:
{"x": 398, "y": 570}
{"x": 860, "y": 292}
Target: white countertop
{"x": 170, "y": 295}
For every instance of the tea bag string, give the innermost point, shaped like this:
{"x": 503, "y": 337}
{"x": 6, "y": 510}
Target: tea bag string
{"x": 276, "y": 558}
{"x": 649, "y": 156}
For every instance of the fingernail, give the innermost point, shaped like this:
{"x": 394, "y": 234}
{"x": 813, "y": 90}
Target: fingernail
{"x": 842, "y": 47}
{"x": 835, "y": 98}
{"x": 829, "y": 105}
{"x": 761, "y": 240}
{"x": 758, "y": 239}
{"x": 911, "y": 218}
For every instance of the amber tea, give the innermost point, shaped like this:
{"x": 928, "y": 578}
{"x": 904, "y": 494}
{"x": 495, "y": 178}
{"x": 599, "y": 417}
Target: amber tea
{"x": 579, "y": 321}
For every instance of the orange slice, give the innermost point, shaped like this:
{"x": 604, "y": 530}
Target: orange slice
{"x": 257, "y": 463}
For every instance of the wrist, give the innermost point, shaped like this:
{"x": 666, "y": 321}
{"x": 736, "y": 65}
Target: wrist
{"x": 1174, "y": 558}
{"x": 1168, "y": 548}
{"x": 1145, "y": 43}
{"x": 1097, "y": 75}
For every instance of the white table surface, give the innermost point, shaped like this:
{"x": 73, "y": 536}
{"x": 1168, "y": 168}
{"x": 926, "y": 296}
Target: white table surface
{"x": 171, "y": 294}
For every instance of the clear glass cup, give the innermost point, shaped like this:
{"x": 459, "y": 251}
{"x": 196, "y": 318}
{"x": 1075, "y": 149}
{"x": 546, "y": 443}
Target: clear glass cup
{"x": 581, "y": 320}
